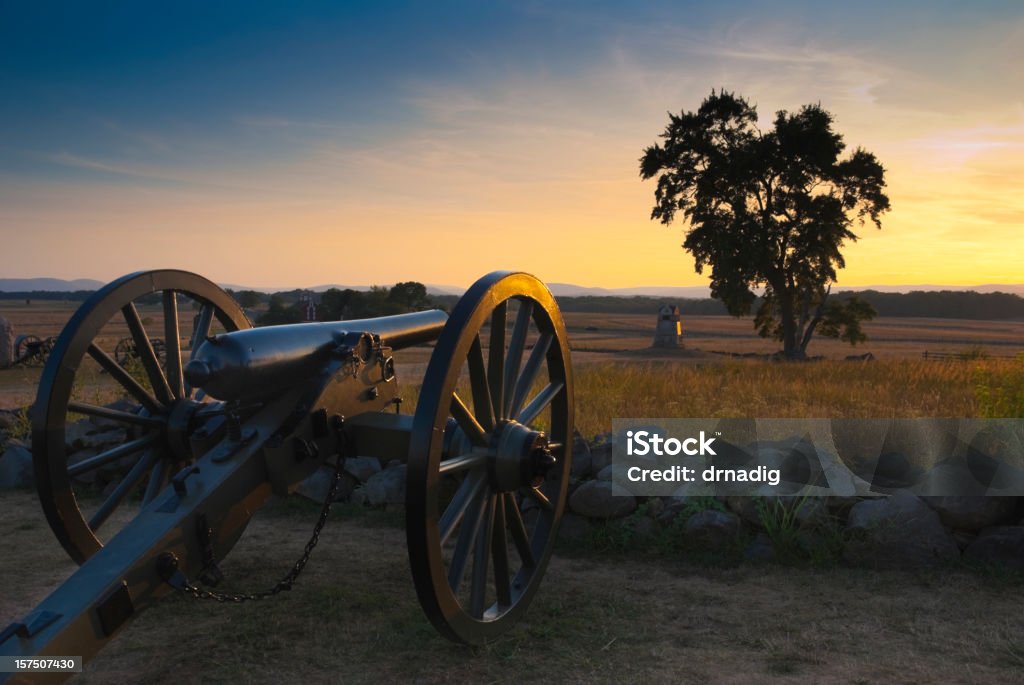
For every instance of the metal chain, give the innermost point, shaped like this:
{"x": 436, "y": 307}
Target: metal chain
{"x": 289, "y": 578}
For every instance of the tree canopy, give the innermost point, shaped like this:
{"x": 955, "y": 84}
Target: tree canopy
{"x": 768, "y": 209}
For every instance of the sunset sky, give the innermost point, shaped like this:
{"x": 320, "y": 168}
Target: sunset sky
{"x": 295, "y": 144}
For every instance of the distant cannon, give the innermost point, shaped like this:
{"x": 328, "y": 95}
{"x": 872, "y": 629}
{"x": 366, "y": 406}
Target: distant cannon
{"x": 253, "y": 412}
{"x": 126, "y": 350}
{"x": 31, "y": 350}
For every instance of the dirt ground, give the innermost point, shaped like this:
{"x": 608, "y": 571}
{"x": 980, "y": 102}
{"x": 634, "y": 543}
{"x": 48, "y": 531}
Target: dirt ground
{"x": 353, "y": 618}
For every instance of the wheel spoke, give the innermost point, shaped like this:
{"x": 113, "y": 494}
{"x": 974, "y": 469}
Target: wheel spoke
{"x": 516, "y": 345}
{"x": 112, "y": 455}
{"x": 126, "y": 485}
{"x": 481, "y": 559}
{"x": 479, "y": 385}
{"x": 541, "y": 499}
{"x": 538, "y": 403}
{"x": 537, "y": 356}
{"x": 157, "y": 478}
{"x": 467, "y": 493}
{"x": 467, "y": 422}
{"x": 144, "y": 348}
{"x": 126, "y": 381}
{"x": 519, "y": 535}
{"x": 115, "y": 415}
{"x": 172, "y": 343}
{"x": 496, "y": 358}
{"x": 464, "y": 544}
{"x": 499, "y": 548}
{"x": 201, "y": 331}
{"x": 462, "y": 462}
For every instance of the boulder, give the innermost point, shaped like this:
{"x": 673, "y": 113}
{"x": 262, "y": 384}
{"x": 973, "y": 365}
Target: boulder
{"x": 124, "y": 405}
{"x": 16, "y": 466}
{"x": 712, "y": 528}
{"x": 973, "y": 513}
{"x": 6, "y": 343}
{"x": 318, "y": 484}
{"x": 600, "y": 456}
{"x": 581, "y": 460}
{"x": 998, "y": 546}
{"x": 602, "y": 499}
{"x": 362, "y": 468}
{"x": 900, "y": 531}
{"x": 760, "y": 550}
{"x": 385, "y": 488}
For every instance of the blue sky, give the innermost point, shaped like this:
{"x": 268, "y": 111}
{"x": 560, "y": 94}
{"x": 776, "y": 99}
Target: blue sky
{"x": 264, "y": 143}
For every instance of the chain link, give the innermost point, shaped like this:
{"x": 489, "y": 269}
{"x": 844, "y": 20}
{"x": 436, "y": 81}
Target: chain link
{"x": 289, "y": 578}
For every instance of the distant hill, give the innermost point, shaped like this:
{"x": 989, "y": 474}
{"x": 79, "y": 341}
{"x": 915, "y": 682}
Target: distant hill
{"x": 27, "y": 285}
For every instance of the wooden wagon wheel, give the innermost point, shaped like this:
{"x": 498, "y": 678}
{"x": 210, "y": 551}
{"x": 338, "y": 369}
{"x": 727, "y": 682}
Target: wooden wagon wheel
{"x": 165, "y": 411}
{"x": 489, "y": 463}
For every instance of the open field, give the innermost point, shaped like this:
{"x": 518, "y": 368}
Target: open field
{"x": 601, "y": 338}
{"x": 353, "y": 618}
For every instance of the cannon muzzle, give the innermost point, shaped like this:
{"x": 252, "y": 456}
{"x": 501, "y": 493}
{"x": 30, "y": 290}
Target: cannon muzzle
{"x": 260, "y": 361}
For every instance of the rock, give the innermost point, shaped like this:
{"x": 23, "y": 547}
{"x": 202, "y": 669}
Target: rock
{"x": 995, "y": 457}
{"x": 600, "y": 457}
{"x": 602, "y": 499}
{"x": 714, "y": 529}
{"x": 126, "y": 406}
{"x": 973, "y": 513}
{"x": 318, "y": 484}
{"x": 581, "y": 461}
{"x": 6, "y": 343}
{"x": 362, "y": 468}
{"x": 76, "y": 432}
{"x": 760, "y": 550}
{"x": 655, "y": 507}
{"x": 998, "y": 546}
{"x": 102, "y": 440}
{"x": 386, "y": 487}
{"x": 9, "y": 420}
{"x": 900, "y": 531}
{"x": 16, "y": 466}
{"x": 840, "y": 506}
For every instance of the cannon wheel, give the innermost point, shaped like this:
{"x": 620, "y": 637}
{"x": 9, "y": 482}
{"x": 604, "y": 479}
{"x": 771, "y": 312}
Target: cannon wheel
{"x": 486, "y": 488}
{"x": 28, "y": 350}
{"x": 157, "y": 443}
{"x": 125, "y": 350}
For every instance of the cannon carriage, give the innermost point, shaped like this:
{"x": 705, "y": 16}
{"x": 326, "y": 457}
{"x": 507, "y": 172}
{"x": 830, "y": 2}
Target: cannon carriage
{"x": 243, "y": 413}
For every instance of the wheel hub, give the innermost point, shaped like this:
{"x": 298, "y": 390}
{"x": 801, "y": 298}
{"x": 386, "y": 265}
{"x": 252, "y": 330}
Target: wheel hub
{"x": 521, "y": 457}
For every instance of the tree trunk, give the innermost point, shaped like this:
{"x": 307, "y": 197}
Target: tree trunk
{"x": 791, "y": 346}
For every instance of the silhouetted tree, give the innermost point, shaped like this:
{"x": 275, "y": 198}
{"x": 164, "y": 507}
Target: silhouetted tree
{"x": 768, "y": 209}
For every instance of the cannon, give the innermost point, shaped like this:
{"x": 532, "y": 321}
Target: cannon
{"x": 31, "y": 350}
{"x": 213, "y": 430}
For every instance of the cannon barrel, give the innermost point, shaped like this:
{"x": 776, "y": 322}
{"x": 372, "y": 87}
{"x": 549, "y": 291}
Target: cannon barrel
{"x": 259, "y": 361}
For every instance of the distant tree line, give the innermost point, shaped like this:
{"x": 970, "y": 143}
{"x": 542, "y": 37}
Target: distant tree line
{"x": 335, "y": 304}
{"x": 412, "y": 296}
